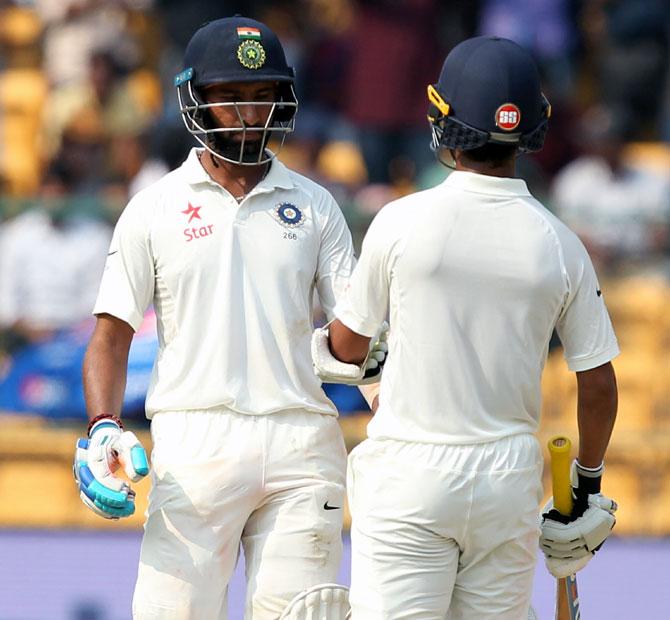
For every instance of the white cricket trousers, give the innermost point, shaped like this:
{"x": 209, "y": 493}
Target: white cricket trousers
{"x": 444, "y": 531}
{"x": 274, "y": 483}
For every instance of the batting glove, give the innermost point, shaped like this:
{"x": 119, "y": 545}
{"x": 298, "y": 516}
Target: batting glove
{"x": 107, "y": 449}
{"x": 332, "y": 370}
{"x": 569, "y": 542}
{"x": 374, "y": 363}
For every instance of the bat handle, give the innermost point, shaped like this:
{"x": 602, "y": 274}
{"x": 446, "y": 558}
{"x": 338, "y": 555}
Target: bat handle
{"x": 567, "y": 599}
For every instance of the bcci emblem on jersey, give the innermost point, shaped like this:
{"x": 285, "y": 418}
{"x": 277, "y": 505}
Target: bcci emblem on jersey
{"x": 289, "y": 215}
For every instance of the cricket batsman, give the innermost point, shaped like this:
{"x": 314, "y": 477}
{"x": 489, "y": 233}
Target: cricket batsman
{"x": 475, "y": 274}
{"x": 229, "y": 248}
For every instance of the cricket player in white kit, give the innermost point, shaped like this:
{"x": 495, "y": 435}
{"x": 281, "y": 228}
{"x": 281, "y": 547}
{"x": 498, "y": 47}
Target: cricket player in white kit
{"x": 475, "y": 274}
{"x": 229, "y": 248}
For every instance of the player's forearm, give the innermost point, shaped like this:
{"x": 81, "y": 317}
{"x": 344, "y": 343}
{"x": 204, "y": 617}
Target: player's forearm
{"x": 596, "y": 413}
{"x": 346, "y": 345}
{"x": 104, "y": 372}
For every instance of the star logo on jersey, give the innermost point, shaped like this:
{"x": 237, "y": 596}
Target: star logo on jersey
{"x": 199, "y": 230}
{"x": 192, "y": 212}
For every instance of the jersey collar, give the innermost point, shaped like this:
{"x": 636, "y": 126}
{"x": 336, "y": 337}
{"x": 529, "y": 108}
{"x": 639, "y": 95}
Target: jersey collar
{"x": 485, "y": 184}
{"x": 277, "y": 176}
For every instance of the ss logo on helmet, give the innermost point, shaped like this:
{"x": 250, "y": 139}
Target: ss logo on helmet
{"x": 508, "y": 116}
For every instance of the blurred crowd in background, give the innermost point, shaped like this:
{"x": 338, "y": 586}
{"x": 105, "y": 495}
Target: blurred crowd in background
{"x": 88, "y": 117}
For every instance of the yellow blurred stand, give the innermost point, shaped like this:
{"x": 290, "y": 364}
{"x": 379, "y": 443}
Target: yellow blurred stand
{"x": 38, "y": 489}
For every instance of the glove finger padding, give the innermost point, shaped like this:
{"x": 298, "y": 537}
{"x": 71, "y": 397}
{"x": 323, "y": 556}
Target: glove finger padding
{"x": 604, "y": 502}
{"x": 102, "y": 465}
{"x": 569, "y": 545}
{"x": 110, "y": 512}
{"x": 327, "y": 367}
{"x": 374, "y": 363}
{"x": 102, "y": 500}
{"x": 331, "y": 370}
{"x": 131, "y": 455}
{"x": 96, "y": 460}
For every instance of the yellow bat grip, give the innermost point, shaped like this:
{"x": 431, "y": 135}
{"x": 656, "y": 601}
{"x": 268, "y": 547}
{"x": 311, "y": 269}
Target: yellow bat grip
{"x": 561, "y": 488}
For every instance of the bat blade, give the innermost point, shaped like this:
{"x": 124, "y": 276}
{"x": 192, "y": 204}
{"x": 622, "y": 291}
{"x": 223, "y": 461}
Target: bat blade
{"x": 567, "y": 598}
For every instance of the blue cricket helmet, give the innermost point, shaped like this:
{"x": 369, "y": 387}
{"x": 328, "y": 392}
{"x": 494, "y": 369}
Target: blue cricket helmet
{"x": 233, "y": 50}
{"x": 488, "y": 92}
{"x": 236, "y": 49}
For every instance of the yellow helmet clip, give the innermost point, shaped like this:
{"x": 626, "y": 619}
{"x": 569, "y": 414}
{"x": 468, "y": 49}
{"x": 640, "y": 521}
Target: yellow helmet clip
{"x": 436, "y": 99}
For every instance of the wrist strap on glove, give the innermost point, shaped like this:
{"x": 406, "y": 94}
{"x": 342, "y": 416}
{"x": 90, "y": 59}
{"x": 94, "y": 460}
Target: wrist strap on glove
{"x": 585, "y": 481}
{"x": 103, "y": 416}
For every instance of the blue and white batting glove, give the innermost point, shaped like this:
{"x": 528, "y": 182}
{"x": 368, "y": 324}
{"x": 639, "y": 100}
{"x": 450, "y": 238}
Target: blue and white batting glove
{"x": 97, "y": 458}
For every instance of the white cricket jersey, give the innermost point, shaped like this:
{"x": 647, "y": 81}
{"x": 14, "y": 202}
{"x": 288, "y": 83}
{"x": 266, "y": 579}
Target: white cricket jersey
{"x": 476, "y": 273}
{"x": 232, "y": 285}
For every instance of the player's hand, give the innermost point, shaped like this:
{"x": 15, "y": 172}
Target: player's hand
{"x": 107, "y": 449}
{"x": 331, "y": 370}
{"x": 569, "y": 542}
{"x": 374, "y": 363}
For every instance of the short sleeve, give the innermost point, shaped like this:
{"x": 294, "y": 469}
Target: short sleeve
{"x": 127, "y": 285}
{"x": 365, "y": 303}
{"x": 584, "y": 325}
{"x": 336, "y": 258}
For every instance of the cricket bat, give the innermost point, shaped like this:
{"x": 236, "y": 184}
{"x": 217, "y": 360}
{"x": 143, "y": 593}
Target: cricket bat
{"x": 567, "y": 600}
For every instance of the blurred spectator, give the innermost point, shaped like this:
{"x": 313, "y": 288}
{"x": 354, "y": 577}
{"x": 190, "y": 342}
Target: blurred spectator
{"x": 393, "y": 53}
{"x": 323, "y": 58}
{"x": 82, "y": 154}
{"x": 180, "y": 19}
{"x": 131, "y": 161}
{"x": 51, "y": 259}
{"x": 23, "y": 91}
{"x": 621, "y": 212}
{"x": 547, "y": 28}
{"x": 104, "y": 97}
{"x": 74, "y": 28}
{"x": 628, "y": 43}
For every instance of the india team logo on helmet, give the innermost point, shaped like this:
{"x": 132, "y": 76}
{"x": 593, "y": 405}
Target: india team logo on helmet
{"x": 237, "y": 50}
{"x": 250, "y": 52}
{"x": 508, "y": 117}
{"x": 289, "y": 215}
